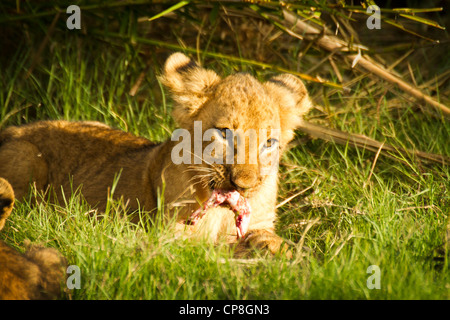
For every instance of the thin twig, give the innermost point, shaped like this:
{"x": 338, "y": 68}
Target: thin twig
{"x": 14, "y": 111}
{"x": 138, "y": 83}
{"x": 340, "y": 247}
{"x": 374, "y": 163}
{"x": 299, "y": 246}
{"x": 242, "y": 261}
{"x": 296, "y": 195}
{"x": 420, "y": 207}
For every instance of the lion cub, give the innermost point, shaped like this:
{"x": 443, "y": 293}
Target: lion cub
{"x": 37, "y": 274}
{"x": 235, "y": 113}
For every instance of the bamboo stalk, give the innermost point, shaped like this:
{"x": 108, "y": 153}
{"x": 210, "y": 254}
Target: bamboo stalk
{"x": 158, "y": 43}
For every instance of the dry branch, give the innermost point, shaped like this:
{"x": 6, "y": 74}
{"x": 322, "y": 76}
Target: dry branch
{"x": 334, "y": 44}
{"x": 365, "y": 142}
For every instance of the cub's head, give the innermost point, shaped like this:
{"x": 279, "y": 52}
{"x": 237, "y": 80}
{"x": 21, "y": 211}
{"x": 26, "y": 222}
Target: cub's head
{"x": 234, "y": 129}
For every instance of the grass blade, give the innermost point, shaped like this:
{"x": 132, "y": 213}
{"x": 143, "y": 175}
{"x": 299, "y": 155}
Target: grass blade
{"x": 169, "y": 10}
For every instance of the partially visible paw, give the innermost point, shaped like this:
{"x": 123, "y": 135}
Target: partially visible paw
{"x": 52, "y": 265}
{"x": 264, "y": 241}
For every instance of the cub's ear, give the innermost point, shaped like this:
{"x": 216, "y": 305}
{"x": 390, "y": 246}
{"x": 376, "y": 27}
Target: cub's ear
{"x": 290, "y": 94}
{"x": 189, "y": 83}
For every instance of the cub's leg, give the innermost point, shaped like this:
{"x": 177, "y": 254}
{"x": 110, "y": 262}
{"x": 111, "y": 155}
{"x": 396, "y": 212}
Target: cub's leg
{"x": 21, "y": 163}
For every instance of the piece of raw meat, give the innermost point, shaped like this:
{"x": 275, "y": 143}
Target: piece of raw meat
{"x": 238, "y": 204}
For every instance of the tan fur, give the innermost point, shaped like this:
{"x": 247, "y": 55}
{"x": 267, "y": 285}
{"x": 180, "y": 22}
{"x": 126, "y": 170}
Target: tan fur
{"x": 37, "y": 274}
{"x": 48, "y": 152}
{"x": 6, "y": 201}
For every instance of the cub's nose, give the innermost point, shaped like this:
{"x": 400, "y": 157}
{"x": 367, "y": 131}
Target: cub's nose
{"x": 244, "y": 178}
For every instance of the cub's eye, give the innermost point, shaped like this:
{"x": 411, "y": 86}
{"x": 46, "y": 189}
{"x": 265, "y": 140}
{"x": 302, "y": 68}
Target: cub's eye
{"x": 270, "y": 143}
{"x": 223, "y": 132}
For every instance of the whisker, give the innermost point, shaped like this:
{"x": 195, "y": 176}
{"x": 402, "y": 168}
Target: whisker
{"x": 207, "y": 162}
{"x": 198, "y": 168}
{"x": 208, "y": 172}
{"x": 201, "y": 177}
{"x": 201, "y": 169}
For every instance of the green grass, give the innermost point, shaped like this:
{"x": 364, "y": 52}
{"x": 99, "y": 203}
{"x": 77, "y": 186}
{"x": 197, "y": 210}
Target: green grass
{"x": 393, "y": 216}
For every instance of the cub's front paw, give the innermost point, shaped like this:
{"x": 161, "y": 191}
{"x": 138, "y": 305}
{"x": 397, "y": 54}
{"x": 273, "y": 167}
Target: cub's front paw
{"x": 263, "y": 240}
